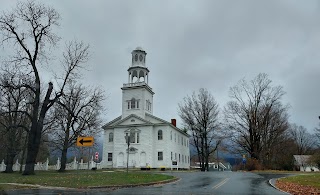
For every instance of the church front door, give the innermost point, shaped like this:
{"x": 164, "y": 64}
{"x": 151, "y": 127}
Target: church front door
{"x": 143, "y": 159}
{"x": 120, "y": 162}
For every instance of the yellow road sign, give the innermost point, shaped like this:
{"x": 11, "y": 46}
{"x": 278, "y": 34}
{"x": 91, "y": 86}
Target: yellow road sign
{"x": 85, "y": 141}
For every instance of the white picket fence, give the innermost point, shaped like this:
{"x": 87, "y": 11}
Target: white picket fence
{"x": 74, "y": 165}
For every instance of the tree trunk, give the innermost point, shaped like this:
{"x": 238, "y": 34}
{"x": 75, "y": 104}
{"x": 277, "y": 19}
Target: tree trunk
{"x": 23, "y": 154}
{"x": 64, "y": 153}
{"x": 33, "y": 149}
{"x": 36, "y": 130}
{"x": 63, "y": 159}
{"x": 65, "y": 145}
{"x": 10, "y": 161}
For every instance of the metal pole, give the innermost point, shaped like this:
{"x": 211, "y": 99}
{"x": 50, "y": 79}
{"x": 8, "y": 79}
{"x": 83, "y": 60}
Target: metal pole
{"x": 128, "y": 154}
{"x": 218, "y": 158}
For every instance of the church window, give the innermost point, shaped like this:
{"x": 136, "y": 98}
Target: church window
{"x": 170, "y": 135}
{"x": 160, "y": 135}
{"x": 148, "y": 105}
{"x": 111, "y": 137}
{"x": 160, "y": 155}
{"x": 179, "y": 158}
{"x": 175, "y": 137}
{"x": 136, "y": 57}
{"x": 133, "y": 103}
{"x": 126, "y": 137}
{"x": 175, "y": 156}
{"x": 109, "y": 156}
{"x": 132, "y": 137}
{"x": 178, "y": 139}
{"x": 171, "y": 155}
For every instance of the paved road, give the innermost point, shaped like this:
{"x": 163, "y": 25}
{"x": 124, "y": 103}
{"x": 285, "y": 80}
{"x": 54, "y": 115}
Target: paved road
{"x": 212, "y": 183}
{"x": 190, "y": 183}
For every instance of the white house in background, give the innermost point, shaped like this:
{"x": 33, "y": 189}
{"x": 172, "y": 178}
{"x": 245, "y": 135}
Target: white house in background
{"x": 302, "y": 163}
{"x": 154, "y": 142}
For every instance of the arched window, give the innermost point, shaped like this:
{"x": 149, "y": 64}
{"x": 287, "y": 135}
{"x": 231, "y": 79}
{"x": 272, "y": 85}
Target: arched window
{"x": 160, "y": 135}
{"x": 111, "y": 137}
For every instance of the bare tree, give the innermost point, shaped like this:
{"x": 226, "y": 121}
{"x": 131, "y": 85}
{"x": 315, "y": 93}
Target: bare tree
{"x": 200, "y": 114}
{"x": 14, "y": 115}
{"x": 303, "y": 140}
{"x": 317, "y": 134}
{"x": 76, "y": 115}
{"x": 255, "y": 115}
{"x": 29, "y": 28}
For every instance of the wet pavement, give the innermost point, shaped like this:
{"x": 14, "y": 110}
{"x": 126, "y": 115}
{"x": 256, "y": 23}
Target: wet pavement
{"x": 190, "y": 183}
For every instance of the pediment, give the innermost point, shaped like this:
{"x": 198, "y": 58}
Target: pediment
{"x": 132, "y": 120}
{"x": 129, "y": 120}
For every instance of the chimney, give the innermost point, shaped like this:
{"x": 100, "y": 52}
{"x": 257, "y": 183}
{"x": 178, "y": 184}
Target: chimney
{"x": 174, "y": 122}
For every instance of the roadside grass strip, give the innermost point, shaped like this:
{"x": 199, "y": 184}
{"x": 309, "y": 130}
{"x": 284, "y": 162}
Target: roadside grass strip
{"x": 312, "y": 180}
{"x": 221, "y": 183}
{"x": 84, "y": 179}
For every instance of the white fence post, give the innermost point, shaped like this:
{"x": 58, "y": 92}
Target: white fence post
{"x": 58, "y": 163}
{"x": 16, "y": 166}
{"x": 74, "y": 166}
{"x": 2, "y": 166}
{"x": 47, "y": 165}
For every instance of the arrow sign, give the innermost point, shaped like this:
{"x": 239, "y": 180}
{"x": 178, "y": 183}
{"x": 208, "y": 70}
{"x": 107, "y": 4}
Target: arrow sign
{"x": 85, "y": 141}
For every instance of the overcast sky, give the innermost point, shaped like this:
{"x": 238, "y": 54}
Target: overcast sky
{"x": 193, "y": 44}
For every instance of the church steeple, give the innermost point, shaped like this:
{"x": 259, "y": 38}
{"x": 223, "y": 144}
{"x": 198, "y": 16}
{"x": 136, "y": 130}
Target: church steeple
{"x": 138, "y": 69}
{"x": 137, "y": 95}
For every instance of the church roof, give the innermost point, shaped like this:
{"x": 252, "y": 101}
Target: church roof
{"x": 117, "y": 122}
{"x": 164, "y": 122}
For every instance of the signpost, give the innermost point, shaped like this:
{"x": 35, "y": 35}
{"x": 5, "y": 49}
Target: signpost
{"x": 244, "y": 161}
{"x": 85, "y": 141}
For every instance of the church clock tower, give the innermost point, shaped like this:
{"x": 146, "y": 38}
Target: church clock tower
{"x": 137, "y": 95}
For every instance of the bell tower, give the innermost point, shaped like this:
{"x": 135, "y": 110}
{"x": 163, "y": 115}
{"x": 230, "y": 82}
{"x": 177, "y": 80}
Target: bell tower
{"x": 137, "y": 95}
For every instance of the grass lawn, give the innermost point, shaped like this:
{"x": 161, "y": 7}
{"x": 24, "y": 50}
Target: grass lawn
{"x": 82, "y": 179}
{"x": 306, "y": 180}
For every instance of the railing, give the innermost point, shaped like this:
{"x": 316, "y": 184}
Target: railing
{"x": 136, "y": 84}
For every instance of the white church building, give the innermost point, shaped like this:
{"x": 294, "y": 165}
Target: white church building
{"x": 154, "y": 142}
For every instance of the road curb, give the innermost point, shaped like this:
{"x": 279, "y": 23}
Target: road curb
{"x": 40, "y": 186}
{"x": 272, "y": 182}
{"x": 135, "y": 185}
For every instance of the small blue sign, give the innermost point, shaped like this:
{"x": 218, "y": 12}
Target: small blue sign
{"x": 244, "y": 161}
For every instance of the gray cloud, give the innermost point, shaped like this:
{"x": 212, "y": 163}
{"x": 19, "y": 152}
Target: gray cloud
{"x": 193, "y": 44}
